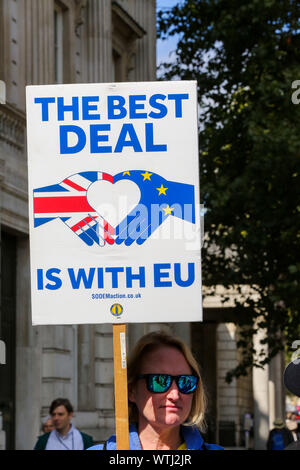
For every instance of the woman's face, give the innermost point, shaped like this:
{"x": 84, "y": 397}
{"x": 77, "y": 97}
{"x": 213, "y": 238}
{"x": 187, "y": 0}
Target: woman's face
{"x": 162, "y": 410}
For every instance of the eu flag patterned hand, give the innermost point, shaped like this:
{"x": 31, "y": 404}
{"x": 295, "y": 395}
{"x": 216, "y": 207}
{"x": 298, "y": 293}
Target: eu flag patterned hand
{"x": 159, "y": 199}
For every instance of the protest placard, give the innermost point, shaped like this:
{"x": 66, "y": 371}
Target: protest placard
{"x": 114, "y": 203}
{"x": 114, "y": 209}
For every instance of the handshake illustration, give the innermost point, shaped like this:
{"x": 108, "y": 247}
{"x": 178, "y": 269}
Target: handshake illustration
{"x": 68, "y": 201}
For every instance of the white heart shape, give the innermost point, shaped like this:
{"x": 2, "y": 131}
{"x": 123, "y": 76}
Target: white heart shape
{"x": 113, "y": 201}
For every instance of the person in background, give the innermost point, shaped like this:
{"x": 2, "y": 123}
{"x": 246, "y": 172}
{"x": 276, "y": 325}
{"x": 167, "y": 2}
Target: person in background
{"x": 279, "y": 437}
{"x": 64, "y": 436}
{"x": 292, "y": 425}
{"x": 47, "y": 425}
{"x": 291, "y": 380}
{"x": 166, "y": 397}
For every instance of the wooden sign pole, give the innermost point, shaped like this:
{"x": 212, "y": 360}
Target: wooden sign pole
{"x": 121, "y": 393}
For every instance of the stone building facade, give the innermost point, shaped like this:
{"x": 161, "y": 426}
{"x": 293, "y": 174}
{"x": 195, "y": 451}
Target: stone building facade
{"x": 82, "y": 41}
{"x": 46, "y": 42}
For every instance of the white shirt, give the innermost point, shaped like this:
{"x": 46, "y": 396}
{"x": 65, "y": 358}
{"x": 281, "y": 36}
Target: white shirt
{"x": 71, "y": 441}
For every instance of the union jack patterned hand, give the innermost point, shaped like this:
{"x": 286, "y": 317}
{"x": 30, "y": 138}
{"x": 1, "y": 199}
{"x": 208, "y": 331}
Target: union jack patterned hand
{"x": 68, "y": 202}
{"x": 159, "y": 199}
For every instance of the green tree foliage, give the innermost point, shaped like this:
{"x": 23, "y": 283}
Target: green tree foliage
{"x": 245, "y": 55}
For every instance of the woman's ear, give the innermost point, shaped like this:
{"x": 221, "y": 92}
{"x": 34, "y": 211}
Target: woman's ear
{"x": 131, "y": 393}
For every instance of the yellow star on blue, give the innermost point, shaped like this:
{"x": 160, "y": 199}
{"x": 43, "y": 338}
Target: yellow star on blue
{"x": 126, "y": 173}
{"x": 146, "y": 176}
{"x": 168, "y": 210}
{"x": 162, "y": 190}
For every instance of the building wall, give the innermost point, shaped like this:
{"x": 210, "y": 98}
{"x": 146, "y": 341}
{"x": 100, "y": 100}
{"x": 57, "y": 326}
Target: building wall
{"x": 261, "y": 393}
{"x": 236, "y": 398}
{"x": 71, "y": 361}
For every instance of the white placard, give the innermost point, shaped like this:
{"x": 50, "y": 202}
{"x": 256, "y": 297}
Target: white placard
{"x": 114, "y": 203}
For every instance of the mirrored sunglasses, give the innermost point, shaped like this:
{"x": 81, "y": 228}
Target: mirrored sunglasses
{"x": 160, "y": 383}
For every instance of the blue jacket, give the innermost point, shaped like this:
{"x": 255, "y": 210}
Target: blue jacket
{"x": 190, "y": 434}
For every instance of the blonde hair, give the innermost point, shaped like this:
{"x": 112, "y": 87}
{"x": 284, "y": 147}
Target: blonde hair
{"x": 147, "y": 344}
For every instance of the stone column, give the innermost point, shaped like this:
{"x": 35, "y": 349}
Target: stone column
{"x": 10, "y": 49}
{"x": 276, "y": 389}
{"x": 97, "y": 54}
{"x": 28, "y": 358}
{"x": 261, "y": 399}
{"x": 143, "y": 11}
{"x": 134, "y": 332}
{"x": 104, "y": 381}
{"x": 182, "y": 331}
{"x": 39, "y": 55}
{"x": 86, "y": 372}
{"x": 58, "y": 363}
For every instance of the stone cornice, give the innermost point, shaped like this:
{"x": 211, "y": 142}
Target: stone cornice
{"x": 128, "y": 24}
{"x": 12, "y": 126}
{"x": 15, "y": 191}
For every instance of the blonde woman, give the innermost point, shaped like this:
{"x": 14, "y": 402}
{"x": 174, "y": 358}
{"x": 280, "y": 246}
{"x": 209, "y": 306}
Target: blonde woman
{"x": 166, "y": 397}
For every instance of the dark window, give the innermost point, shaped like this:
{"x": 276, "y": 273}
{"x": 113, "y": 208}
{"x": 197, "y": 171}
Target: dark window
{"x": 8, "y": 335}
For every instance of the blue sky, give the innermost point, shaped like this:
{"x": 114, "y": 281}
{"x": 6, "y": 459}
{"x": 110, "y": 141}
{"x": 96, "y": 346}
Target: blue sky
{"x": 164, "y": 48}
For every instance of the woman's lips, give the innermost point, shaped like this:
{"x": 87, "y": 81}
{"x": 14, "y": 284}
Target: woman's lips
{"x": 172, "y": 407}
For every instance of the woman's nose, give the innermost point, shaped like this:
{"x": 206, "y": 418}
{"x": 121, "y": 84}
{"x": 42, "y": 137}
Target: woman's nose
{"x": 173, "y": 391}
